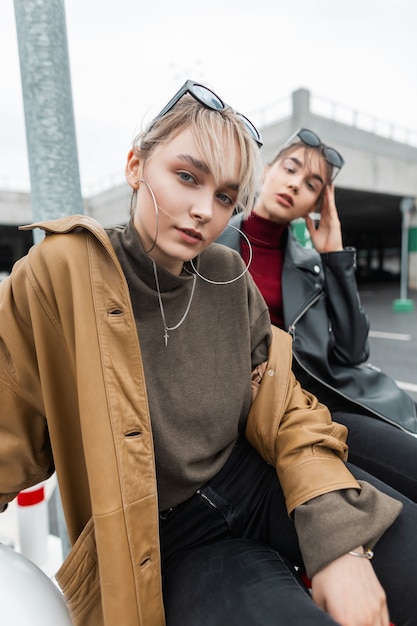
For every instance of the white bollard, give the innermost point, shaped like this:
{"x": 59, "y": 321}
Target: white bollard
{"x": 33, "y": 523}
{"x": 28, "y": 596}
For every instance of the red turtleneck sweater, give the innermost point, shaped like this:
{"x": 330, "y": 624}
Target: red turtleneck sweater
{"x": 268, "y": 243}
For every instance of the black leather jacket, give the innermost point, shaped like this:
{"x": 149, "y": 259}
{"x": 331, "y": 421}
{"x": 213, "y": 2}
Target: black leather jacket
{"x": 322, "y": 312}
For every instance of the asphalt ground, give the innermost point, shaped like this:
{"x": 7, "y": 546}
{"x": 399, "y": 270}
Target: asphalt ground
{"x": 393, "y": 335}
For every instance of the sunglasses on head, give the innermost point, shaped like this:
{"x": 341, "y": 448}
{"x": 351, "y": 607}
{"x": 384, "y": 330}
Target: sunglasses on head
{"x": 308, "y": 138}
{"x": 210, "y": 100}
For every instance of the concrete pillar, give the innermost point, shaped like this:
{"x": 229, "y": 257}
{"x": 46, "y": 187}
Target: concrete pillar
{"x": 49, "y": 118}
{"x": 301, "y": 108}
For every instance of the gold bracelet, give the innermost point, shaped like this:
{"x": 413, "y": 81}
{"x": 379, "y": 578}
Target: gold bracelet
{"x": 366, "y": 554}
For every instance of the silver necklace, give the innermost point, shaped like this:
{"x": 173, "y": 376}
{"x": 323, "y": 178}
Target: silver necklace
{"x": 161, "y": 306}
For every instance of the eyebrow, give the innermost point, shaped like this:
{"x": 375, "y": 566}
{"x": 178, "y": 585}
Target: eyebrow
{"x": 203, "y": 167}
{"x": 200, "y": 165}
{"x": 300, "y": 164}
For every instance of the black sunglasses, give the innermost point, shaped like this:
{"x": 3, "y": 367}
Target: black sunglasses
{"x": 312, "y": 140}
{"x": 210, "y": 100}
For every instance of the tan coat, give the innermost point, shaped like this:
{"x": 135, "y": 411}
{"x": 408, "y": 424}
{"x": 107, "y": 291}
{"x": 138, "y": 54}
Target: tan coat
{"x": 72, "y": 382}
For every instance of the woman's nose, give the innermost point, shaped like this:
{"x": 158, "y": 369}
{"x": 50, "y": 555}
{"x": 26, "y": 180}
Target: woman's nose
{"x": 294, "y": 184}
{"x": 202, "y": 210}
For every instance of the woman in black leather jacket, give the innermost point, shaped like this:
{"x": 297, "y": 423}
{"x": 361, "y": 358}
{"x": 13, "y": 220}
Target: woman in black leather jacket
{"x": 312, "y": 293}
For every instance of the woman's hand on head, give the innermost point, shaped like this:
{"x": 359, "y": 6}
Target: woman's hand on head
{"x": 328, "y": 236}
{"x": 350, "y": 592}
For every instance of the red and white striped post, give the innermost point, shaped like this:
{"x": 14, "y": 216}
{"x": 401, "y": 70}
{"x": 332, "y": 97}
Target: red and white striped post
{"x": 33, "y": 524}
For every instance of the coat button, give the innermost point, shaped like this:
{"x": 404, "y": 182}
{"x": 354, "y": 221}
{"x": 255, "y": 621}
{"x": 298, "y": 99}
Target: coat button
{"x": 316, "y": 269}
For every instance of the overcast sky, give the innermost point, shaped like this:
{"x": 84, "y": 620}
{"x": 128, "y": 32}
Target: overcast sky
{"x": 128, "y": 57}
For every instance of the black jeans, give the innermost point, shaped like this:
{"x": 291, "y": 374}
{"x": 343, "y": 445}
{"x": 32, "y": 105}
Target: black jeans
{"x": 228, "y": 554}
{"x": 383, "y": 450}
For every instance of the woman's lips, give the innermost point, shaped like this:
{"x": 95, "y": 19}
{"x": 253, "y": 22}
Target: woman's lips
{"x": 285, "y": 199}
{"x": 191, "y": 236}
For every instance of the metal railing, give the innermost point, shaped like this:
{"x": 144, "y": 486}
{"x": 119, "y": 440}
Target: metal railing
{"x": 282, "y": 109}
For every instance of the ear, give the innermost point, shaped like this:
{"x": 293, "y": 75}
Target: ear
{"x": 132, "y": 169}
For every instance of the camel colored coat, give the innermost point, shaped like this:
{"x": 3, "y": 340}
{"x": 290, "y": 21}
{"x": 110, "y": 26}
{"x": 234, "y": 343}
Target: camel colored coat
{"x": 73, "y": 398}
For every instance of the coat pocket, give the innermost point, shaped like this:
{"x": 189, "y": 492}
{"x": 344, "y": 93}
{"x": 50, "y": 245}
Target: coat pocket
{"x": 79, "y": 580}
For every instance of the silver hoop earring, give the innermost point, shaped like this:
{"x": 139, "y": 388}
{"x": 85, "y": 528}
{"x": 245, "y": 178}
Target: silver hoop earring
{"x": 233, "y": 280}
{"x": 149, "y": 188}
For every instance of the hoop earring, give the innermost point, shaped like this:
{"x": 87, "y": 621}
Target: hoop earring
{"x": 149, "y": 188}
{"x": 233, "y": 280}
{"x": 132, "y": 202}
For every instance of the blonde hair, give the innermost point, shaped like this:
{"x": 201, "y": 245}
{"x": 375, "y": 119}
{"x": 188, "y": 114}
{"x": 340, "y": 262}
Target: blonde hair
{"x": 221, "y": 138}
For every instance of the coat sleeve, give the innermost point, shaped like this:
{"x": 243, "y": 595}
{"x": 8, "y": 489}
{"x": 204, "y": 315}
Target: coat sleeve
{"x": 295, "y": 433}
{"x": 25, "y": 452}
{"x": 349, "y": 322}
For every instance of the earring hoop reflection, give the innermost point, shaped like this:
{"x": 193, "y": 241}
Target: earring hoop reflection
{"x": 149, "y": 188}
{"x": 233, "y": 280}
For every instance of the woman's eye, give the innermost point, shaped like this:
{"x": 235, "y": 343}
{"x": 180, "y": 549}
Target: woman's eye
{"x": 288, "y": 166}
{"x": 311, "y": 186}
{"x": 187, "y": 177}
{"x": 223, "y": 197}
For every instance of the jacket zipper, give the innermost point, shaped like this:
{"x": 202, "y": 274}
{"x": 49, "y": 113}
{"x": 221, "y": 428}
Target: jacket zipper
{"x": 291, "y": 328}
{"x": 203, "y": 495}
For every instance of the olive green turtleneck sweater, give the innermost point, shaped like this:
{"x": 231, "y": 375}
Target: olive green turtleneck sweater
{"x": 196, "y": 417}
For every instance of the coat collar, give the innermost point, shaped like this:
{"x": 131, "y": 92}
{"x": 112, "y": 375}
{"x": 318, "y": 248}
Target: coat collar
{"x": 67, "y": 224}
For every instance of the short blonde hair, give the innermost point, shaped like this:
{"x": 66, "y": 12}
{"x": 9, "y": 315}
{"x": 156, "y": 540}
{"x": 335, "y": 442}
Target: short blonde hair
{"x": 221, "y": 138}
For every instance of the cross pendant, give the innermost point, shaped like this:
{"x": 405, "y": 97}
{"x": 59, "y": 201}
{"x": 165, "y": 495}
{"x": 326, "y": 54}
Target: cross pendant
{"x": 166, "y": 337}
